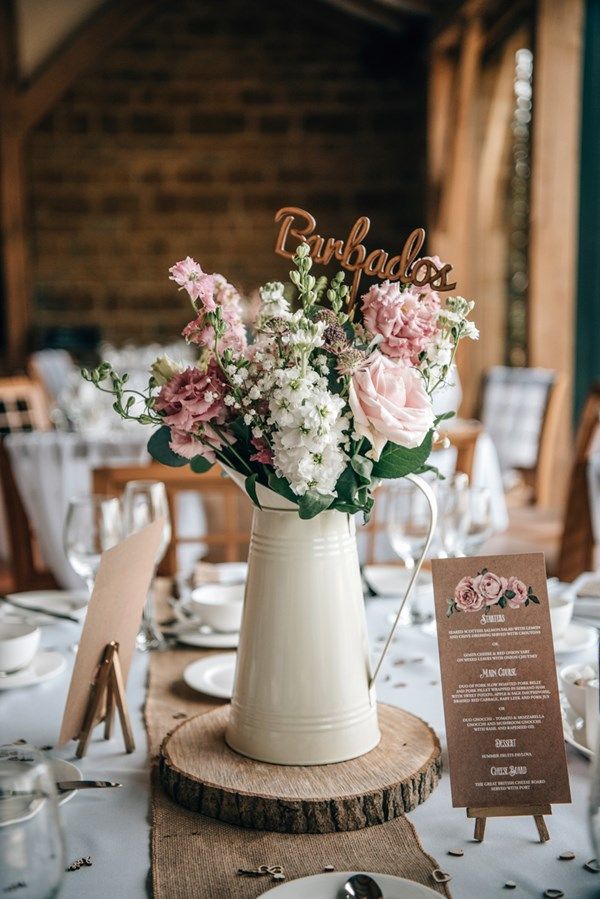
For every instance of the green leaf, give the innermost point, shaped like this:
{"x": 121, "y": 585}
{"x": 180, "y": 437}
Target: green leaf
{"x": 510, "y": 594}
{"x": 251, "y": 488}
{"x": 347, "y": 486}
{"x": 397, "y": 461}
{"x": 534, "y": 599}
{"x": 362, "y": 466}
{"x": 199, "y": 464}
{"x": 159, "y": 449}
{"x": 312, "y": 503}
{"x": 240, "y": 429}
{"x": 281, "y": 486}
{"x": 502, "y": 602}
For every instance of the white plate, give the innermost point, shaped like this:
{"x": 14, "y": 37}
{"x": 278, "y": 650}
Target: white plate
{"x": 328, "y": 886}
{"x": 392, "y": 580}
{"x": 210, "y": 641}
{"x": 576, "y": 638}
{"x": 225, "y": 573}
{"x": 212, "y": 676}
{"x": 45, "y": 666}
{"x": 574, "y": 730}
{"x": 21, "y": 810}
{"x": 67, "y": 602}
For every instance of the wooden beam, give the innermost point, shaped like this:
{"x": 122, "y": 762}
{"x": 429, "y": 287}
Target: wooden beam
{"x": 555, "y": 196}
{"x": 110, "y": 24}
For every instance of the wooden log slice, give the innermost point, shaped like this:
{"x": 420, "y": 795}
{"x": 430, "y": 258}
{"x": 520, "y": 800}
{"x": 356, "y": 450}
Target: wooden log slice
{"x": 200, "y": 772}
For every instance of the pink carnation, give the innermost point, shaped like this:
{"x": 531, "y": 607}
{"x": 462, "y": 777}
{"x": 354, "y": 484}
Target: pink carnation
{"x": 490, "y": 587}
{"x": 200, "y": 286}
{"x": 467, "y": 597}
{"x": 406, "y": 320}
{"x": 517, "y": 587}
{"x": 192, "y": 397}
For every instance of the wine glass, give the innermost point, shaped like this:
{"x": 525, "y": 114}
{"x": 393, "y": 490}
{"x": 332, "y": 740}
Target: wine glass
{"x": 408, "y": 520}
{"x": 143, "y": 503}
{"x": 453, "y": 517}
{"x": 32, "y": 853}
{"x": 93, "y": 524}
{"x": 481, "y": 526}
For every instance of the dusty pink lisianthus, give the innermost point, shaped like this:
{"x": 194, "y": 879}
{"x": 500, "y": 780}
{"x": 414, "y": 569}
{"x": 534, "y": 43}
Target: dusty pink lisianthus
{"x": 389, "y": 402}
{"x": 516, "y": 586}
{"x": 263, "y": 452}
{"x": 202, "y": 443}
{"x": 490, "y": 587}
{"x": 193, "y": 396}
{"x": 200, "y": 286}
{"x": 202, "y": 334}
{"x": 467, "y": 597}
{"x": 406, "y": 320}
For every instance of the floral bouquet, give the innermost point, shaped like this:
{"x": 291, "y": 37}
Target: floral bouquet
{"x": 320, "y": 403}
{"x": 486, "y": 589}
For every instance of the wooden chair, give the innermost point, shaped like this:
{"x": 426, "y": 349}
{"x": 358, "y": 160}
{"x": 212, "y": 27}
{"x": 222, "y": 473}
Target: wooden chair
{"x": 22, "y": 408}
{"x": 565, "y": 538}
{"x": 228, "y": 510}
{"x": 521, "y": 410}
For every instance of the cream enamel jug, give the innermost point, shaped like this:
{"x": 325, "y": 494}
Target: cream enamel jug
{"x": 304, "y": 688}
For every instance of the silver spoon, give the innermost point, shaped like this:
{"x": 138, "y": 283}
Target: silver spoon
{"x": 361, "y": 886}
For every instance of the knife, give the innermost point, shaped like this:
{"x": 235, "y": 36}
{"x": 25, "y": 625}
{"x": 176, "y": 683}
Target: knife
{"x": 65, "y": 786}
{"x": 39, "y": 609}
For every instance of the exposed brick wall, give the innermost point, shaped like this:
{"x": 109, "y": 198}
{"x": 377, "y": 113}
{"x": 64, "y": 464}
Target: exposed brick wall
{"x": 188, "y": 137}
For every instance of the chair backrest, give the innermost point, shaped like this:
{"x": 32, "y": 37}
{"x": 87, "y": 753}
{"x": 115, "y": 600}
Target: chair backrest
{"x": 576, "y": 553}
{"x": 22, "y": 406}
{"x": 52, "y": 369}
{"x": 227, "y": 510}
{"x": 520, "y": 409}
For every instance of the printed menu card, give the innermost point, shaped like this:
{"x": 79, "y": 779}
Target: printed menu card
{"x": 501, "y": 701}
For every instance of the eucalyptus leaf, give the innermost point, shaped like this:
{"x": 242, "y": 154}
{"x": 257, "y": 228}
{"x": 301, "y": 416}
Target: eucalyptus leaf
{"x": 312, "y": 503}
{"x": 199, "y": 465}
{"x": 281, "y": 486}
{"x": 362, "y": 466}
{"x": 159, "y": 449}
{"x": 251, "y": 488}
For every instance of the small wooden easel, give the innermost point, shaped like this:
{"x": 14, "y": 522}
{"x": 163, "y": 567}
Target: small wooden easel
{"x": 107, "y": 691}
{"x": 509, "y": 811}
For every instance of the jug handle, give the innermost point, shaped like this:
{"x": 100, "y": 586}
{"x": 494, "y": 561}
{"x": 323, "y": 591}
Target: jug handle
{"x": 432, "y": 503}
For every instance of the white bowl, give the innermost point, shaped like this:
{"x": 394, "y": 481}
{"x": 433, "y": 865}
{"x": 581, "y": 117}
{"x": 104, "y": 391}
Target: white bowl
{"x": 562, "y": 603}
{"x": 575, "y": 693}
{"x": 219, "y": 605}
{"x": 592, "y": 714}
{"x": 18, "y": 645}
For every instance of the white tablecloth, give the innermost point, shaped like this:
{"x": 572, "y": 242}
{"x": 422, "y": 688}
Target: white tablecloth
{"x": 112, "y": 825}
{"x": 51, "y": 467}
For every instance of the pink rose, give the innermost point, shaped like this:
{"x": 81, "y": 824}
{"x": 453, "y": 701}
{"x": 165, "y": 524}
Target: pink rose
{"x": 389, "y": 402}
{"x": 467, "y": 597}
{"x": 405, "y": 319}
{"x": 200, "y": 286}
{"x": 203, "y": 443}
{"x": 514, "y": 585}
{"x": 193, "y": 396}
{"x": 490, "y": 587}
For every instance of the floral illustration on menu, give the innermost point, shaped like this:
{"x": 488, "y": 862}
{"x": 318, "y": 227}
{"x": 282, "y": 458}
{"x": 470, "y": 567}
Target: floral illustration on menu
{"x": 486, "y": 589}
{"x": 319, "y": 401}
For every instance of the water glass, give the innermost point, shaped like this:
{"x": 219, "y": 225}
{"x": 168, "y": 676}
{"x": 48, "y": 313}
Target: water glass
{"x": 481, "y": 525}
{"x": 408, "y": 518}
{"x": 143, "y": 503}
{"x": 93, "y": 524}
{"x": 32, "y": 853}
{"x": 454, "y": 517}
